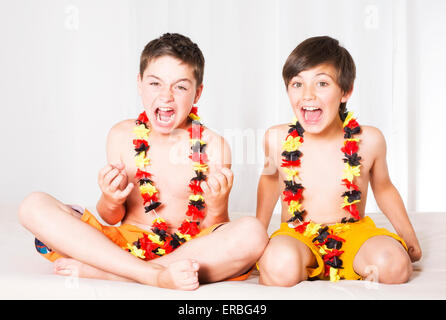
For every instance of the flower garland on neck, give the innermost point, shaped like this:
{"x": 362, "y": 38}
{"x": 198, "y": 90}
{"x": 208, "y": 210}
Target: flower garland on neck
{"x": 328, "y": 243}
{"x": 159, "y": 242}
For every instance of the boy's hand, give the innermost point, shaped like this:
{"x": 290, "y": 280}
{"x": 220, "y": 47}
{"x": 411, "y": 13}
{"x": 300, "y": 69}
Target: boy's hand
{"x": 414, "y": 252}
{"x": 216, "y": 192}
{"x": 113, "y": 182}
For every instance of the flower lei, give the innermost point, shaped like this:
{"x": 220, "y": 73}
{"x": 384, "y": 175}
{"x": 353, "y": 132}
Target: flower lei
{"x": 159, "y": 242}
{"x": 323, "y": 237}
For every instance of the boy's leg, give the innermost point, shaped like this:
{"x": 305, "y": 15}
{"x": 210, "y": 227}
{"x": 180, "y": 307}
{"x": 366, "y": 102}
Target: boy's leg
{"x": 59, "y": 227}
{"x": 285, "y": 261}
{"x": 384, "y": 259}
{"x": 227, "y": 252}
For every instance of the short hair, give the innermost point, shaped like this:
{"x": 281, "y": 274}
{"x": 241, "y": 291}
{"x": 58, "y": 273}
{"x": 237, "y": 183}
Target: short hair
{"x": 317, "y": 50}
{"x": 176, "y": 46}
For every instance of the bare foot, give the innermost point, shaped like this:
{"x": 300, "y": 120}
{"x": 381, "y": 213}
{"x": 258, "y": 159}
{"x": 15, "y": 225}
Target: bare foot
{"x": 182, "y": 275}
{"x": 75, "y": 268}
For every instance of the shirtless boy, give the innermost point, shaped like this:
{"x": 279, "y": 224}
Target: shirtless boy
{"x": 321, "y": 164}
{"x": 167, "y": 181}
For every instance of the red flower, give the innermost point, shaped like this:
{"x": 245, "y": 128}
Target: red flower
{"x": 148, "y": 198}
{"x": 194, "y": 212}
{"x": 287, "y": 163}
{"x": 138, "y": 143}
{"x": 350, "y": 185}
{"x": 142, "y": 174}
{"x": 353, "y": 210}
{"x": 143, "y": 117}
{"x": 350, "y": 147}
{"x": 199, "y": 157}
{"x": 190, "y": 228}
{"x": 352, "y": 124}
{"x": 290, "y": 196}
{"x": 195, "y": 131}
{"x": 195, "y": 186}
{"x": 301, "y": 228}
{"x": 160, "y": 225}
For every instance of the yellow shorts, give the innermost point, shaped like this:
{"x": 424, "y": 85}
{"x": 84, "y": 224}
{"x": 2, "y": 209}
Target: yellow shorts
{"x": 354, "y": 235}
{"x": 121, "y": 236}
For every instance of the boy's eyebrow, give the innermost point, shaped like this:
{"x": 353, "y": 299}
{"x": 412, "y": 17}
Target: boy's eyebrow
{"x": 326, "y": 74}
{"x": 179, "y": 80}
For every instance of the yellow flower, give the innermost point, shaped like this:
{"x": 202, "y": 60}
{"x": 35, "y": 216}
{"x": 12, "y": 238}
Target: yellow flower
{"x": 141, "y": 161}
{"x": 161, "y": 251}
{"x": 322, "y": 250}
{"x": 148, "y": 188}
{"x": 200, "y": 167}
{"x": 350, "y": 172}
{"x": 290, "y": 173}
{"x": 135, "y": 251}
{"x": 294, "y": 206}
{"x": 158, "y": 220}
{"x": 194, "y": 117}
{"x": 196, "y": 197}
{"x": 346, "y": 203}
{"x": 348, "y": 118}
{"x": 155, "y": 238}
{"x": 312, "y": 229}
{"x": 141, "y": 132}
{"x": 291, "y": 144}
{"x": 340, "y": 227}
{"x": 185, "y": 236}
{"x": 334, "y": 276}
{"x": 194, "y": 141}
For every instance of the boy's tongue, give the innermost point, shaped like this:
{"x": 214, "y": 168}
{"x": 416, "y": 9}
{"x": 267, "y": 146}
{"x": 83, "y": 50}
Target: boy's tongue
{"x": 165, "y": 115}
{"x": 313, "y": 116}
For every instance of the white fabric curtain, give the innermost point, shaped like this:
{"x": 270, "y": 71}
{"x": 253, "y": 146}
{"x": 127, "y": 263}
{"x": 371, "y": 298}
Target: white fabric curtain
{"x": 69, "y": 73}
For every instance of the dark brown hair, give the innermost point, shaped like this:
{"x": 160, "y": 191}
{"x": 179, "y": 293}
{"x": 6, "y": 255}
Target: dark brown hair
{"x": 317, "y": 50}
{"x": 176, "y": 46}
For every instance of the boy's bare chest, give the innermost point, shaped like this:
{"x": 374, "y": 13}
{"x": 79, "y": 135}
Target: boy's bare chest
{"x": 170, "y": 167}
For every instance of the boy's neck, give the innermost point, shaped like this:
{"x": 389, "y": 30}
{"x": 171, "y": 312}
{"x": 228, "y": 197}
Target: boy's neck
{"x": 332, "y": 132}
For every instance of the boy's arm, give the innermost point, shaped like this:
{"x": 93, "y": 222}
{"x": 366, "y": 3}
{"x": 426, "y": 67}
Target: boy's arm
{"x": 388, "y": 198}
{"x": 113, "y": 181}
{"x": 268, "y": 187}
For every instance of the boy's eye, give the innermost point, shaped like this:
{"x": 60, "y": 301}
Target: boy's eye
{"x": 322, "y": 84}
{"x": 181, "y": 87}
{"x": 154, "y": 83}
{"x": 297, "y": 84}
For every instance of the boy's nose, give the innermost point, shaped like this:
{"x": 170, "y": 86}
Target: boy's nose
{"x": 166, "y": 94}
{"x": 308, "y": 93}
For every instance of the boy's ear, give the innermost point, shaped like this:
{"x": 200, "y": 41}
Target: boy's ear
{"x": 347, "y": 95}
{"x": 139, "y": 83}
{"x": 198, "y": 93}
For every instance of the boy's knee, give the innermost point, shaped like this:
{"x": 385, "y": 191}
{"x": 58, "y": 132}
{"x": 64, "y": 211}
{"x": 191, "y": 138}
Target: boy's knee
{"x": 394, "y": 267}
{"x": 283, "y": 267}
{"x": 251, "y": 238}
{"x": 29, "y": 206}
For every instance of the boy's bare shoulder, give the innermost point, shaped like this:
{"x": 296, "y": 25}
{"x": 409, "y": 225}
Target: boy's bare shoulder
{"x": 372, "y": 140}
{"x": 121, "y": 129}
{"x": 275, "y": 135}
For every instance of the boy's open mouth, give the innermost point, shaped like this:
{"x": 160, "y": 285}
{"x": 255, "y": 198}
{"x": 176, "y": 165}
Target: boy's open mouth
{"x": 164, "y": 115}
{"x": 311, "y": 114}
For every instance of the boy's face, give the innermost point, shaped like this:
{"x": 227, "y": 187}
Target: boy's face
{"x": 168, "y": 91}
{"x": 315, "y": 97}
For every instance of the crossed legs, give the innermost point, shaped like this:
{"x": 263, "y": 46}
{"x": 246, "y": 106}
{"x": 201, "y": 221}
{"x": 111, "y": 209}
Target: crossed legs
{"x": 227, "y": 252}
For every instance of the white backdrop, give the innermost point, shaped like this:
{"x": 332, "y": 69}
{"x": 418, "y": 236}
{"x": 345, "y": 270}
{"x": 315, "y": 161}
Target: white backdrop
{"x": 68, "y": 73}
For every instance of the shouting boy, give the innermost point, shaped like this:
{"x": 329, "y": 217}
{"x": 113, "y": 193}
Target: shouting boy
{"x": 167, "y": 182}
{"x": 322, "y": 164}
